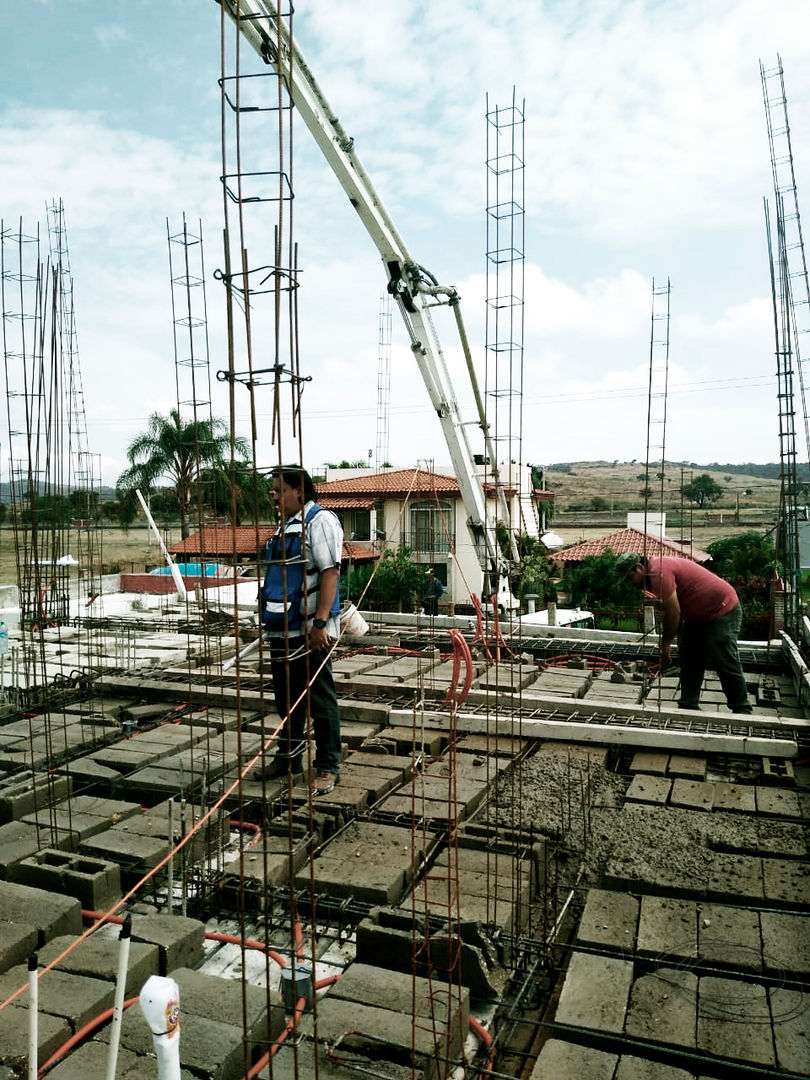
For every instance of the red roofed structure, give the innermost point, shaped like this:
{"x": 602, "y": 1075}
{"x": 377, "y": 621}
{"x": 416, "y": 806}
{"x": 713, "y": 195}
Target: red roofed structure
{"x": 629, "y": 540}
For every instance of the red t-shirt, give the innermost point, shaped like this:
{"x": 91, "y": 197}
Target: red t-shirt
{"x": 702, "y": 595}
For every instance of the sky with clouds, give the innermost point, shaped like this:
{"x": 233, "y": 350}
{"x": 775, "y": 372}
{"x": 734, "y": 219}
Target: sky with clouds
{"x": 646, "y": 157}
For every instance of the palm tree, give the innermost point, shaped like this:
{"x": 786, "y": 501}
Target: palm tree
{"x": 178, "y": 451}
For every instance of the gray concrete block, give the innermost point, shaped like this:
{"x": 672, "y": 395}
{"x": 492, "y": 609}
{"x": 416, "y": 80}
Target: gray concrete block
{"x": 22, "y": 793}
{"x": 96, "y": 883}
{"x": 53, "y": 1032}
{"x": 692, "y": 794}
{"x": 595, "y": 992}
{"x": 687, "y": 767}
{"x": 568, "y": 1061}
{"x": 785, "y": 944}
{"x": 735, "y": 878}
{"x": 407, "y": 740}
{"x": 635, "y": 1068}
{"x": 494, "y": 744}
{"x": 371, "y": 985}
{"x": 663, "y": 1007}
{"x": 72, "y": 997}
{"x": 609, "y": 920}
{"x": 650, "y": 762}
{"x": 208, "y": 1048}
{"x": 366, "y": 881}
{"x": 17, "y": 941}
{"x": 49, "y": 913}
{"x": 97, "y": 958}
{"x": 667, "y": 929}
{"x": 428, "y": 1039}
{"x": 648, "y": 789}
{"x": 734, "y": 798}
{"x": 786, "y": 883}
{"x": 734, "y": 1020}
{"x": 90, "y": 1061}
{"x": 778, "y": 802}
{"x": 208, "y": 996}
{"x": 791, "y": 1029}
{"x": 728, "y": 937}
{"x": 301, "y": 1058}
{"x": 781, "y": 839}
{"x": 179, "y": 940}
{"x": 131, "y": 851}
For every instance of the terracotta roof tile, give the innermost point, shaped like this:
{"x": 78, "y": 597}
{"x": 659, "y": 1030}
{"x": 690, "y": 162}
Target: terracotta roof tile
{"x": 217, "y": 542}
{"x": 395, "y": 482}
{"x": 629, "y": 540}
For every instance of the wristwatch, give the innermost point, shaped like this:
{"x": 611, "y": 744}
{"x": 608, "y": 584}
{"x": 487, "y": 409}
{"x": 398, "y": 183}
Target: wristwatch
{"x": 319, "y": 624}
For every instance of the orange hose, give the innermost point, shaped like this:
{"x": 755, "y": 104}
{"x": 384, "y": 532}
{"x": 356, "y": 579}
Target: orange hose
{"x": 78, "y": 1036}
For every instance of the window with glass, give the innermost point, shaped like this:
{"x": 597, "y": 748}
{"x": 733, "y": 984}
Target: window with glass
{"x": 431, "y": 527}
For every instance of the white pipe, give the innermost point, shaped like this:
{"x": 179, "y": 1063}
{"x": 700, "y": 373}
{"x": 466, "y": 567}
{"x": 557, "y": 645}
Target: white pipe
{"x": 118, "y": 1004}
{"x": 33, "y": 1017}
{"x": 248, "y": 649}
{"x": 160, "y": 1004}
{"x": 175, "y": 569}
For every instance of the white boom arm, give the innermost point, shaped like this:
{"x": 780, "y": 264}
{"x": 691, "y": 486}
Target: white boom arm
{"x": 413, "y": 289}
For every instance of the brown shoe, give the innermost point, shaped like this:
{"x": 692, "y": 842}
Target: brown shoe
{"x": 324, "y": 783}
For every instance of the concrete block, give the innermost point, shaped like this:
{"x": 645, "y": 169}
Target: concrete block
{"x": 663, "y": 1007}
{"x": 478, "y": 768}
{"x": 494, "y": 744}
{"x": 213, "y": 998}
{"x": 73, "y": 997}
{"x": 378, "y": 759}
{"x": 735, "y": 878}
{"x": 778, "y": 802}
{"x": 667, "y": 929}
{"x": 90, "y": 1060}
{"x": 133, "y": 853}
{"x": 179, "y": 940}
{"x": 778, "y": 771}
{"x": 650, "y": 762}
{"x": 427, "y": 1041}
{"x": 734, "y": 798}
{"x": 397, "y": 991}
{"x": 49, "y": 913}
{"x": 781, "y": 839}
{"x": 24, "y": 792}
{"x": 19, "y": 841}
{"x": 734, "y": 1020}
{"x": 648, "y": 789}
{"x": 634, "y": 1068}
{"x": 595, "y": 992}
{"x": 17, "y": 941}
{"x": 786, "y": 883}
{"x": 96, "y": 883}
{"x": 52, "y": 1033}
{"x": 729, "y": 937}
{"x": 357, "y": 734}
{"x": 97, "y": 958}
{"x": 785, "y": 944}
{"x": 609, "y": 920}
{"x": 367, "y": 882}
{"x": 90, "y": 775}
{"x": 569, "y": 1061}
{"x": 692, "y": 794}
{"x": 208, "y": 1048}
{"x": 687, "y": 767}
{"x": 791, "y": 1029}
{"x": 409, "y": 740}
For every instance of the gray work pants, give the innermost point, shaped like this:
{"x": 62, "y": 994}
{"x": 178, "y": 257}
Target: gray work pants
{"x": 712, "y": 645}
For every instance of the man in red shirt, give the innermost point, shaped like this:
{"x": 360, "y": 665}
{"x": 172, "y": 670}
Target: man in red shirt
{"x": 704, "y": 612}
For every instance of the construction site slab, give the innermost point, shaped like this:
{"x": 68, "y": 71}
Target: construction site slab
{"x": 733, "y": 1020}
{"x": 595, "y": 992}
{"x": 97, "y": 958}
{"x": 735, "y": 878}
{"x": 735, "y": 798}
{"x": 649, "y": 762}
{"x": 663, "y": 1007}
{"x": 777, "y": 802}
{"x": 729, "y": 937}
{"x": 570, "y": 1061}
{"x": 130, "y": 850}
{"x": 649, "y": 789}
{"x": 50, "y": 913}
{"x": 786, "y": 883}
{"x": 687, "y": 767}
{"x": 609, "y": 920}
{"x": 667, "y": 928}
{"x": 785, "y": 943}
{"x": 790, "y": 1029}
{"x": 52, "y": 1033}
{"x": 229, "y": 1002}
{"x": 300, "y": 1057}
{"x": 75, "y": 998}
{"x": 692, "y": 794}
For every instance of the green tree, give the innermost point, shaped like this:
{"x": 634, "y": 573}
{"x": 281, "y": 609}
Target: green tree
{"x": 593, "y": 584}
{"x": 177, "y": 450}
{"x": 397, "y": 583}
{"x": 703, "y": 490}
{"x": 748, "y": 562}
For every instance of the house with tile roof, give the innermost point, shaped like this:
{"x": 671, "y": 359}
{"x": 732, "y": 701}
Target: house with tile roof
{"x": 423, "y": 509}
{"x": 629, "y": 540}
{"x": 245, "y": 545}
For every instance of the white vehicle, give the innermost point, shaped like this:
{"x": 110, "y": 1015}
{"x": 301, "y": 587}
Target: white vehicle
{"x": 414, "y": 289}
{"x": 564, "y": 617}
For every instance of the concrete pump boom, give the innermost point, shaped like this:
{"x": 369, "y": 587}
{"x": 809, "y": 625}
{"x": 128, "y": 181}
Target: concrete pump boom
{"x": 413, "y": 288}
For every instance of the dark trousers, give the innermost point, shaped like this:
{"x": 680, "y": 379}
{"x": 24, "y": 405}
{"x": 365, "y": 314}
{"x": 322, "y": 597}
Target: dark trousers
{"x": 712, "y": 645}
{"x": 290, "y": 677}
